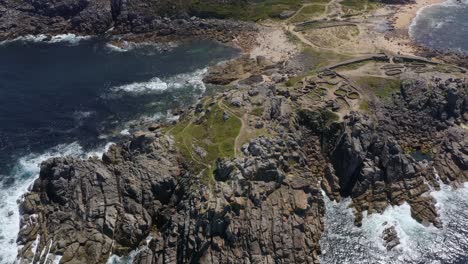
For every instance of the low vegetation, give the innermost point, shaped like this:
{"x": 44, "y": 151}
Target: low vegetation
{"x": 293, "y": 81}
{"x": 210, "y": 137}
{"x": 352, "y": 66}
{"x": 332, "y": 37}
{"x": 308, "y": 13}
{"x": 364, "y": 106}
{"x": 383, "y": 88}
{"x": 352, "y": 7}
{"x": 244, "y": 9}
{"x": 321, "y": 58}
{"x": 258, "y": 111}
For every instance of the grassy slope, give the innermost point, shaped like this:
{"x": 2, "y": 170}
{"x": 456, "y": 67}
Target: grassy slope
{"x": 308, "y": 13}
{"x": 214, "y": 134}
{"x": 245, "y": 10}
{"x": 383, "y": 88}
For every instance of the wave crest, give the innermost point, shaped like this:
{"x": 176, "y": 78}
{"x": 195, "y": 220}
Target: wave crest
{"x": 193, "y": 79}
{"x": 69, "y": 38}
{"x": 25, "y": 173}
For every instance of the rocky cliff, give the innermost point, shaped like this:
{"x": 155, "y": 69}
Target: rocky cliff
{"x": 111, "y": 17}
{"x": 241, "y": 176}
{"x": 164, "y": 196}
{"x": 370, "y": 160}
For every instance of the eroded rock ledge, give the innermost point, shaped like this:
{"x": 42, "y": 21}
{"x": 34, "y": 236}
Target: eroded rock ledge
{"x": 135, "y": 21}
{"x": 265, "y": 203}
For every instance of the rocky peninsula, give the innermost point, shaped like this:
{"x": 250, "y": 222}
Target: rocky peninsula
{"x": 325, "y": 101}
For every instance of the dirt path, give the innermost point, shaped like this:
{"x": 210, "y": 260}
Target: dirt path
{"x": 273, "y": 44}
{"x": 336, "y": 8}
{"x": 242, "y": 129}
{"x": 290, "y": 28}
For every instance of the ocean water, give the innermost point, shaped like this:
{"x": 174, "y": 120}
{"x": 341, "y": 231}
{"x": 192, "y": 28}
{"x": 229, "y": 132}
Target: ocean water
{"x": 342, "y": 242}
{"x": 443, "y": 26}
{"x": 74, "y": 95}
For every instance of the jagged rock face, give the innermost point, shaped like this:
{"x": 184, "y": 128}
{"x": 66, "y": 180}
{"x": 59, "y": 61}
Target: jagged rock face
{"x": 255, "y": 213}
{"x": 390, "y": 237}
{"x": 19, "y": 18}
{"x": 452, "y": 162}
{"x": 369, "y": 160}
{"x": 84, "y": 210}
{"x": 262, "y": 206}
{"x": 35, "y": 17}
{"x": 257, "y": 210}
{"x": 65, "y": 8}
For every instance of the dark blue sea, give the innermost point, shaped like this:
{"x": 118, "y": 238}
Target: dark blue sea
{"x": 73, "y": 96}
{"x": 443, "y": 26}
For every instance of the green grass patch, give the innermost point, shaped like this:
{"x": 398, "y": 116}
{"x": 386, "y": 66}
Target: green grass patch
{"x": 293, "y": 81}
{"x": 308, "y": 13}
{"x": 258, "y": 111}
{"x": 314, "y": 96}
{"x": 353, "y": 66}
{"x": 359, "y": 5}
{"x": 364, "y": 106}
{"x": 353, "y": 7}
{"x": 318, "y": 1}
{"x": 353, "y": 95}
{"x": 214, "y": 134}
{"x": 383, "y": 88}
{"x": 321, "y": 58}
{"x": 340, "y": 92}
{"x": 244, "y": 10}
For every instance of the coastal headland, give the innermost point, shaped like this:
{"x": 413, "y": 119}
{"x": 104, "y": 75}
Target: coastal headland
{"x": 328, "y": 98}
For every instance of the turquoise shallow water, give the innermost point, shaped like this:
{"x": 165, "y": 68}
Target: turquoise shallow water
{"x": 443, "y": 26}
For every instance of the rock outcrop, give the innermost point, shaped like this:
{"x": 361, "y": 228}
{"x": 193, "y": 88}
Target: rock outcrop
{"x": 370, "y": 157}
{"x": 149, "y": 20}
{"x": 85, "y": 210}
{"x": 263, "y": 203}
{"x": 141, "y": 197}
{"x": 390, "y": 237}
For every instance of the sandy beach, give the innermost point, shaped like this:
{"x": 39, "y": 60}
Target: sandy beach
{"x": 399, "y": 40}
{"x": 407, "y": 13}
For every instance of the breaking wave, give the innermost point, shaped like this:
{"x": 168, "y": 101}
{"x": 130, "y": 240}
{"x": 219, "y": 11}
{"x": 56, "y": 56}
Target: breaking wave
{"x": 193, "y": 79}
{"x": 343, "y": 242}
{"x": 69, "y": 38}
{"x": 125, "y": 46}
{"x": 25, "y": 172}
{"x": 442, "y": 26}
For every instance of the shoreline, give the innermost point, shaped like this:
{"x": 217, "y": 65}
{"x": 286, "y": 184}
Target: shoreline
{"x": 401, "y": 18}
{"x": 272, "y": 113}
{"x": 407, "y": 13}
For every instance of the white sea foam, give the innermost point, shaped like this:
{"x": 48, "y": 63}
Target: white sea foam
{"x": 25, "y": 172}
{"x": 115, "y": 48}
{"x": 125, "y": 46}
{"x": 114, "y": 259}
{"x": 193, "y": 79}
{"x": 155, "y": 84}
{"x": 424, "y": 12}
{"x": 342, "y": 242}
{"x": 69, "y": 38}
{"x": 125, "y": 132}
{"x": 27, "y": 38}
